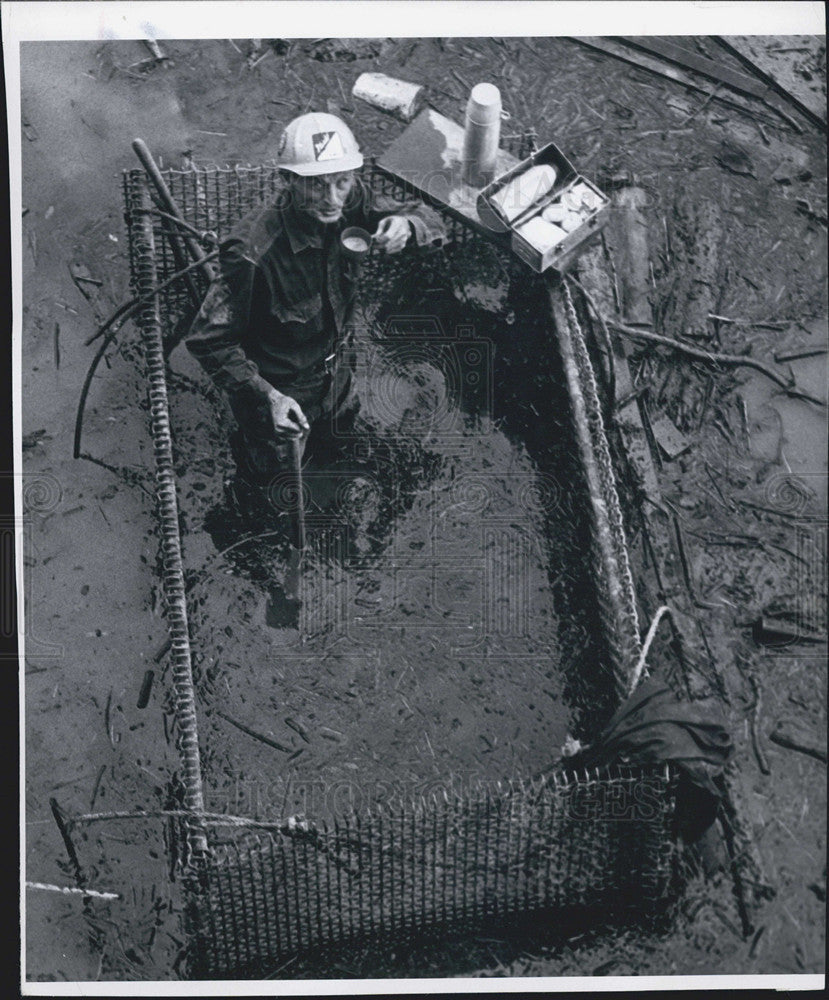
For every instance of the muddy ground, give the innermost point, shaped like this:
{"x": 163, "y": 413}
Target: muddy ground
{"x": 390, "y": 673}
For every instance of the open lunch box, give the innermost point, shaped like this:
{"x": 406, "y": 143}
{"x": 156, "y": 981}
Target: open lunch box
{"x": 536, "y": 236}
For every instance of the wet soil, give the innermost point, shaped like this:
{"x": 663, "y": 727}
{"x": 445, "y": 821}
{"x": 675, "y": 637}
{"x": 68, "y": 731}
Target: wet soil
{"x": 442, "y": 622}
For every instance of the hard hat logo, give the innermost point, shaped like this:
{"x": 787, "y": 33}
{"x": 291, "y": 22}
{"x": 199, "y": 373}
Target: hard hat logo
{"x": 327, "y": 146}
{"x": 318, "y": 143}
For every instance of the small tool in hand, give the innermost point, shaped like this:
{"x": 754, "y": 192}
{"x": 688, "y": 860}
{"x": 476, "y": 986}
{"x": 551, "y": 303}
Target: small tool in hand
{"x": 284, "y": 602}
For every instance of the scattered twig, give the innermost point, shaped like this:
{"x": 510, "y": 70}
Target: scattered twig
{"x": 162, "y": 650}
{"x": 57, "y": 345}
{"x": 664, "y": 131}
{"x": 631, "y": 396}
{"x": 281, "y": 968}
{"x": 767, "y": 510}
{"x": 744, "y": 421}
{"x": 155, "y": 50}
{"x": 108, "y": 719}
{"x": 714, "y": 93}
{"x": 253, "y": 734}
{"x": 96, "y": 787}
{"x": 787, "y": 735}
{"x": 67, "y": 842}
{"x": 800, "y": 394}
{"x": 755, "y": 941}
{"x": 297, "y": 728}
{"x": 639, "y": 669}
{"x": 813, "y": 352}
{"x": 146, "y": 688}
{"x": 71, "y": 891}
{"x": 264, "y": 55}
{"x": 464, "y": 83}
{"x": 683, "y": 558}
{"x": 753, "y": 724}
{"x": 714, "y": 483}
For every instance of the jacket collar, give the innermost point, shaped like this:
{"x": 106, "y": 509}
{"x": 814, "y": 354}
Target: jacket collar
{"x": 302, "y": 229}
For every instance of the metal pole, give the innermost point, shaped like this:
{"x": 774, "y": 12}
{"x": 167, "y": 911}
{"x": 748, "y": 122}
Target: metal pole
{"x": 180, "y": 239}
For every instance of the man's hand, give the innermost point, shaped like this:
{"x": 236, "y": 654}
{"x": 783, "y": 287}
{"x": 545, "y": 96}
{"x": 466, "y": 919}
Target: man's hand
{"x": 393, "y": 234}
{"x": 288, "y": 418}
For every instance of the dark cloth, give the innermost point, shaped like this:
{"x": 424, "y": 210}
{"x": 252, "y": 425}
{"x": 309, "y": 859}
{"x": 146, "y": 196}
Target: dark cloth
{"x": 284, "y": 298}
{"x": 654, "y": 726}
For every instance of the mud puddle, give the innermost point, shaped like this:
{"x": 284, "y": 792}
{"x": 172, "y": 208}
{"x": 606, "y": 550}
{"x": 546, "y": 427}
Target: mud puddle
{"x": 425, "y": 587}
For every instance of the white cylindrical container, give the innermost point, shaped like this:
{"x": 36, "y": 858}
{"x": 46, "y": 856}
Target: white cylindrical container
{"x": 481, "y": 135}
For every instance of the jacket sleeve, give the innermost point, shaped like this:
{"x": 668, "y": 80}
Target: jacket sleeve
{"x": 215, "y": 338}
{"x": 426, "y": 224}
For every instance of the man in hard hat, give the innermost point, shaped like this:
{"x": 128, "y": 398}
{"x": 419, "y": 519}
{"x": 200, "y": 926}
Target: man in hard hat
{"x": 271, "y": 329}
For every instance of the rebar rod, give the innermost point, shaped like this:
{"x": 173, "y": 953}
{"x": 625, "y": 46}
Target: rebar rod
{"x": 173, "y": 571}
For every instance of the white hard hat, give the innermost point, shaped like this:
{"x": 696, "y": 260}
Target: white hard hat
{"x": 318, "y": 143}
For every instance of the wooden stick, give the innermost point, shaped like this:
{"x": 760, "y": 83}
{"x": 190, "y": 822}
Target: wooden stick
{"x": 813, "y": 352}
{"x": 755, "y": 738}
{"x": 252, "y": 732}
{"x": 96, "y": 786}
{"x": 67, "y": 842}
{"x": 789, "y": 736}
{"x": 71, "y": 890}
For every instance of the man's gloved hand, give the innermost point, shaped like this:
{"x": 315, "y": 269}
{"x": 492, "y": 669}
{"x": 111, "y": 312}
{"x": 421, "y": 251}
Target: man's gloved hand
{"x": 288, "y": 419}
{"x": 393, "y": 234}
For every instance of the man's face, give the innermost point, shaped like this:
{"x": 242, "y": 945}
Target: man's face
{"x": 323, "y": 197}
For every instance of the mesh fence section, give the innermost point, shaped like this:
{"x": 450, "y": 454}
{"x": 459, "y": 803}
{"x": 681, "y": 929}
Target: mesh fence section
{"x": 596, "y": 842}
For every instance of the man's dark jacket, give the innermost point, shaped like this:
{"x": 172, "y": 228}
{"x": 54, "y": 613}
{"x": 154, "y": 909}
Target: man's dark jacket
{"x": 284, "y": 297}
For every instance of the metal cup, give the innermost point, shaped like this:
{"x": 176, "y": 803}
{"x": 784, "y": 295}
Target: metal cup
{"x": 355, "y": 243}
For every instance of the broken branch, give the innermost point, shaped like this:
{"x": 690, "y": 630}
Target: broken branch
{"x": 252, "y": 732}
{"x": 791, "y": 737}
{"x": 731, "y": 360}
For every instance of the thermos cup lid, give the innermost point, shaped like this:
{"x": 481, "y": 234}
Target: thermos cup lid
{"x": 484, "y": 105}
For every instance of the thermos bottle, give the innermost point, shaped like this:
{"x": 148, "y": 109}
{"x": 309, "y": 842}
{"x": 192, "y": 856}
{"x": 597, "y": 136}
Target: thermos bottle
{"x": 481, "y": 134}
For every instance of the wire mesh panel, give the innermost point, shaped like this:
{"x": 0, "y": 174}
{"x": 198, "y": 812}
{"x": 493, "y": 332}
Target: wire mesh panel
{"x": 597, "y": 842}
